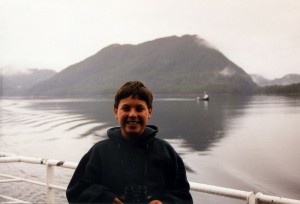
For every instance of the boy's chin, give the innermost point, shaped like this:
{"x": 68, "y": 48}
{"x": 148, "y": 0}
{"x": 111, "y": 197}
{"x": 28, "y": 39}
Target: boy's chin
{"x": 133, "y": 135}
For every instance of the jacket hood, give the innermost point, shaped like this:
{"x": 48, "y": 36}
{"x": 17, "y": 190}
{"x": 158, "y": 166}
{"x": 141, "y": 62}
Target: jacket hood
{"x": 148, "y": 134}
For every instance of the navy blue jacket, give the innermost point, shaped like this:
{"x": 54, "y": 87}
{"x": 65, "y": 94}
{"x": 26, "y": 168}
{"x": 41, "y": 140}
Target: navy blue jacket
{"x": 113, "y": 164}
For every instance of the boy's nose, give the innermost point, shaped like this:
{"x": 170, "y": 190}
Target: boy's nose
{"x": 132, "y": 113}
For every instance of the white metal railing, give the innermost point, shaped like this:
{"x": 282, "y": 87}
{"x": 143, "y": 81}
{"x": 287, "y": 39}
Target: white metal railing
{"x": 50, "y": 164}
{"x": 248, "y": 196}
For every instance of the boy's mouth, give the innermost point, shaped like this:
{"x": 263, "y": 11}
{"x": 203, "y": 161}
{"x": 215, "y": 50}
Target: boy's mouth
{"x": 133, "y": 122}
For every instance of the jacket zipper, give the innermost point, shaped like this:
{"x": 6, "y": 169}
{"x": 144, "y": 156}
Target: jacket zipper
{"x": 146, "y": 162}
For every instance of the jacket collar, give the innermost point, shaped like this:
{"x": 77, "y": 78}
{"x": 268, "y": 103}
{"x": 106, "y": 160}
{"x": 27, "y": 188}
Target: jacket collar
{"x": 148, "y": 134}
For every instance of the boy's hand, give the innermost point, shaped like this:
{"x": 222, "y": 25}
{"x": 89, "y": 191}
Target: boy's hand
{"x": 155, "y": 202}
{"x": 117, "y": 201}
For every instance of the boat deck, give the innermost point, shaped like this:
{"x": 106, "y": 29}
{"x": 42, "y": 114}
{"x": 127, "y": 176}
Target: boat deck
{"x": 248, "y": 197}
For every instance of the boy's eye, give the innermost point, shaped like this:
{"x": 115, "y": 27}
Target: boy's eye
{"x": 139, "y": 109}
{"x": 125, "y": 108}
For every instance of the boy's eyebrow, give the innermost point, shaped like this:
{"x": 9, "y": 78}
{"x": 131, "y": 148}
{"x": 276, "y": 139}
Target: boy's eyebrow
{"x": 125, "y": 104}
{"x": 138, "y": 105}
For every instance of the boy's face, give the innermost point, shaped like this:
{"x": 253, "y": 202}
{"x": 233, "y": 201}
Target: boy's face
{"x": 133, "y": 115}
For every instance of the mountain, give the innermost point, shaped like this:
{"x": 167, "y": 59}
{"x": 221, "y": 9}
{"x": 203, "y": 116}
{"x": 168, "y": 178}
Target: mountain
{"x": 283, "y": 81}
{"x": 170, "y": 65}
{"x": 260, "y": 80}
{"x": 17, "y": 83}
{"x": 287, "y": 80}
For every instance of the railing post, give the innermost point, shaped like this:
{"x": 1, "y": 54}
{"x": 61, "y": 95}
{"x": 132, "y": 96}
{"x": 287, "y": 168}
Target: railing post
{"x": 257, "y": 197}
{"x": 50, "y": 190}
{"x": 251, "y": 199}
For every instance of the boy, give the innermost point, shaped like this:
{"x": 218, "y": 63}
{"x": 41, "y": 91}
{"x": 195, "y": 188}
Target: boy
{"x": 132, "y": 166}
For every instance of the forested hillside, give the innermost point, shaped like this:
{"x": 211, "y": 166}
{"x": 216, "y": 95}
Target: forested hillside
{"x": 171, "y": 65}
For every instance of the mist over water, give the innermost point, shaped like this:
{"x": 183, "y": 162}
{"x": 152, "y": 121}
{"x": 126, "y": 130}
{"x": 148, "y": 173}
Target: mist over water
{"x": 247, "y": 143}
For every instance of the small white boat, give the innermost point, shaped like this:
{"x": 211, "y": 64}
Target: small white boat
{"x": 205, "y": 97}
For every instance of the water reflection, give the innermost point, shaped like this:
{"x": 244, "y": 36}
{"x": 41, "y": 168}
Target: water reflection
{"x": 200, "y": 123}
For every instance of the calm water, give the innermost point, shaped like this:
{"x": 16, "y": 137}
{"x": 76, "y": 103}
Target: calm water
{"x": 247, "y": 143}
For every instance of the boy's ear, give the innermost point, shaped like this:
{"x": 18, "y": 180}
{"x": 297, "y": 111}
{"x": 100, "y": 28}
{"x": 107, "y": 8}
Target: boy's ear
{"x": 116, "y": 112}
{"x": 150, "y": 112}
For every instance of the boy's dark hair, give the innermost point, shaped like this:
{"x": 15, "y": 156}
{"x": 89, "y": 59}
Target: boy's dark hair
{"x": 136, "y": 89}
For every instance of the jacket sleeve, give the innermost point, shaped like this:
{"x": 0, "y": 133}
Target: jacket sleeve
{"x": 178, "y": 191}
{"x": 85, "y": 185}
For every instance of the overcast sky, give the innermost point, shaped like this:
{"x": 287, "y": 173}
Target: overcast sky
{"x": 261, "y": 36}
